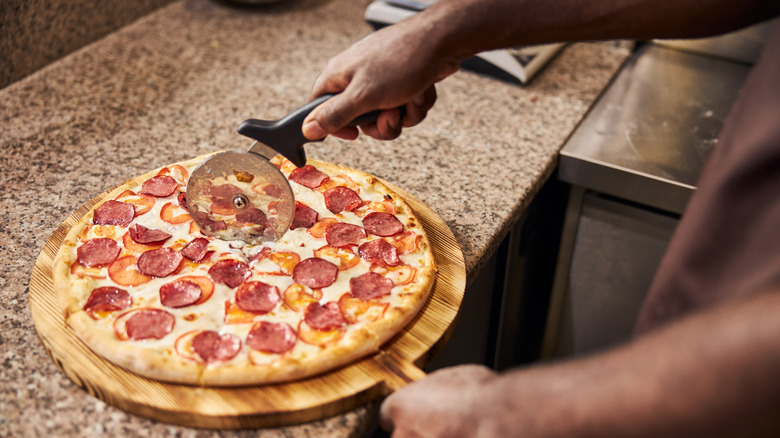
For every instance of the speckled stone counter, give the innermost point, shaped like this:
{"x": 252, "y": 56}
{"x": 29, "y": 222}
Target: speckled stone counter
{"x": 38, "y": 32}
{"x": 174, "y": 85}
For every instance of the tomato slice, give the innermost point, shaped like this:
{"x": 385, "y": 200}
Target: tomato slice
{"x": 81, "y": 271}
{"x": 297, "y": 297}
{"x": 234, "y": 314}
{"x": 183, "y": 346}
{"x": 319, "y": 337}
{"x": 97, "y": 231}
{"x": 286, "y": 166}
{"x": 385, "y": 206}
{"x": 124, "y": 272}
{"x": 400, "y": 275}
{"x": 338, "y": 180}
{"x": 404, "y": 243}
{"x": 142, "y": 203}
{"x": 285, "y": 260}
{"x": 206, "y": 286}
{"x": 168, "y": 214}
{"x": 356, "y": 310}
{"x": 318, "y": 229}
{"x": 194, "y": 229}
{"x": 177, "y": 172}
{"x": 345, "y": 256}
{"x": 138, "y": 248}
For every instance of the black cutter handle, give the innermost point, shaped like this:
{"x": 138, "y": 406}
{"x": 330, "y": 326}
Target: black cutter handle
{"x": 285, "y": 135}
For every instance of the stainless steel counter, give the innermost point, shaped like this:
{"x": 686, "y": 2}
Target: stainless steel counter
{"x": 648, "y": 137}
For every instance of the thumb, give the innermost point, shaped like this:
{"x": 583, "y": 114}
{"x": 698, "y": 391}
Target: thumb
{"x": 330, "y": 116}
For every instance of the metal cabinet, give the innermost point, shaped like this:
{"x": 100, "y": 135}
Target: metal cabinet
{"x": 632, "y": 165}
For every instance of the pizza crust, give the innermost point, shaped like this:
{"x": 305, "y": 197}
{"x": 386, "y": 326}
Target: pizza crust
{"x": 159, "y": 359}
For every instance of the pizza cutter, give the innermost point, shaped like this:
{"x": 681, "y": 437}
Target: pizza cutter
{"x": 237, "y": 195}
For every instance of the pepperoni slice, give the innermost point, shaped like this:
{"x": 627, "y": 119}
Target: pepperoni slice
{"x": 230, "y": 272}
{"x": 382, "y": 224}
{"x": 196, "y": 249}
{"x": 149, "y": 324}
{"x": 213, "y": 347}
{"x": 182, "y": 198}
{"x": 343, "y": 234}
{"x": 141, "y": 234}
{"x": 327, "y": 317}
{"x": 305, "y": 216}
{"x": 107, "y": 299}
{"x": 315, "y": 273}
{"x": 340, "y": 198}
{"x": 160, "y": 186}
{"x": 224, "y": 191}
{"x": 97, "y": 252}
{"x": 257, "y": 297}
{"x": 308, "y": 176}
{"x": 159, "y": 262}
{"x": 113, "y": 213}
{"x": 222, "y": 198}
{"x": 271, "y": 190}
{"x": 272, "y": 337}
{"x": 212, "y": 225}
{"x": 252, "y": 216}
{"x": 370, "y": 286}
{"x": 379, "y": 249}
{"x": 180, "y": 293}
{"x": 132, "y": 247}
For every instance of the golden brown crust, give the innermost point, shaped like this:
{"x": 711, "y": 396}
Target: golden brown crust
{"x": 160, "y": 359}
{"x": 157, "y": 363}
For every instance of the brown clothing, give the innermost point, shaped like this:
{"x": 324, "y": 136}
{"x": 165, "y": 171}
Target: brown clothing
{"x": 727, "y": 244}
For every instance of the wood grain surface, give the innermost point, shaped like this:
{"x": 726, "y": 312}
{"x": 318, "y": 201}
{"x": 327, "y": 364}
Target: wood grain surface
{"x": 398, "y": 362}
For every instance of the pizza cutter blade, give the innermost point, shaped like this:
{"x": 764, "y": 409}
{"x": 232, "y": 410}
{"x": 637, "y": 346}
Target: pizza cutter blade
{"x": 238, "y": 195}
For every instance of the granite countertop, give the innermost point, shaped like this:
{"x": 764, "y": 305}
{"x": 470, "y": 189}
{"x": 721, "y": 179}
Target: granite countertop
{"x": 174, "y": 85}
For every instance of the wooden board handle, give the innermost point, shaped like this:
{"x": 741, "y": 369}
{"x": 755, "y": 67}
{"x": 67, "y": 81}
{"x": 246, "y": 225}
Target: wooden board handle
{"x": 397, "y": 371}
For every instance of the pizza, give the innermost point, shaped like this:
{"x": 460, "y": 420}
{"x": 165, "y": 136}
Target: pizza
{"x": 144, "y": 288}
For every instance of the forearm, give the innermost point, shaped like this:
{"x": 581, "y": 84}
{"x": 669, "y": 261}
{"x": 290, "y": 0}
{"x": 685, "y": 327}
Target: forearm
{"x": 465, "y": 27}
{"x": 713, "y": 374}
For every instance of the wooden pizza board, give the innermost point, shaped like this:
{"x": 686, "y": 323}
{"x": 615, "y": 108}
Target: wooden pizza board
{"x": 398, "y": 362}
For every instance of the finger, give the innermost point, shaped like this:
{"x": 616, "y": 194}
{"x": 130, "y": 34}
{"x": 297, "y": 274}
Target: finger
{"x": 386, "y": 411}
{"x": 417, "y": 110}
{"x": 387, "y": 126}
{"x": 330, "y": 116}
{"x": 348, "y": 133}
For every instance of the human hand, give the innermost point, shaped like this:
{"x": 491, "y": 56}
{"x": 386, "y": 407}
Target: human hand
{"x": 448, "y": 403}
{"x": 393, "y": 67}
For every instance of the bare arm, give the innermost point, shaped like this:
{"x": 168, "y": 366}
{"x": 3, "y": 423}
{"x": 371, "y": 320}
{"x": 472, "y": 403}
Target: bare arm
{"x": 400, "y": 64}
{"x": 712, "y": 374}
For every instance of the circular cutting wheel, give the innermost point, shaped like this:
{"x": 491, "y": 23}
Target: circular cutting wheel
{"x": 239, "y": 195}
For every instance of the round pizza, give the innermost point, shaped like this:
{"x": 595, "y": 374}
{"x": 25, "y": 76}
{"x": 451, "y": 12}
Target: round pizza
{"x": 144, "y": 288}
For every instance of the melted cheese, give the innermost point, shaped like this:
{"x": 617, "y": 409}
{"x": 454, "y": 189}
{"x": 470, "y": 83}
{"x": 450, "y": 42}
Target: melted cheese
{"x": 210, "y": 315}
